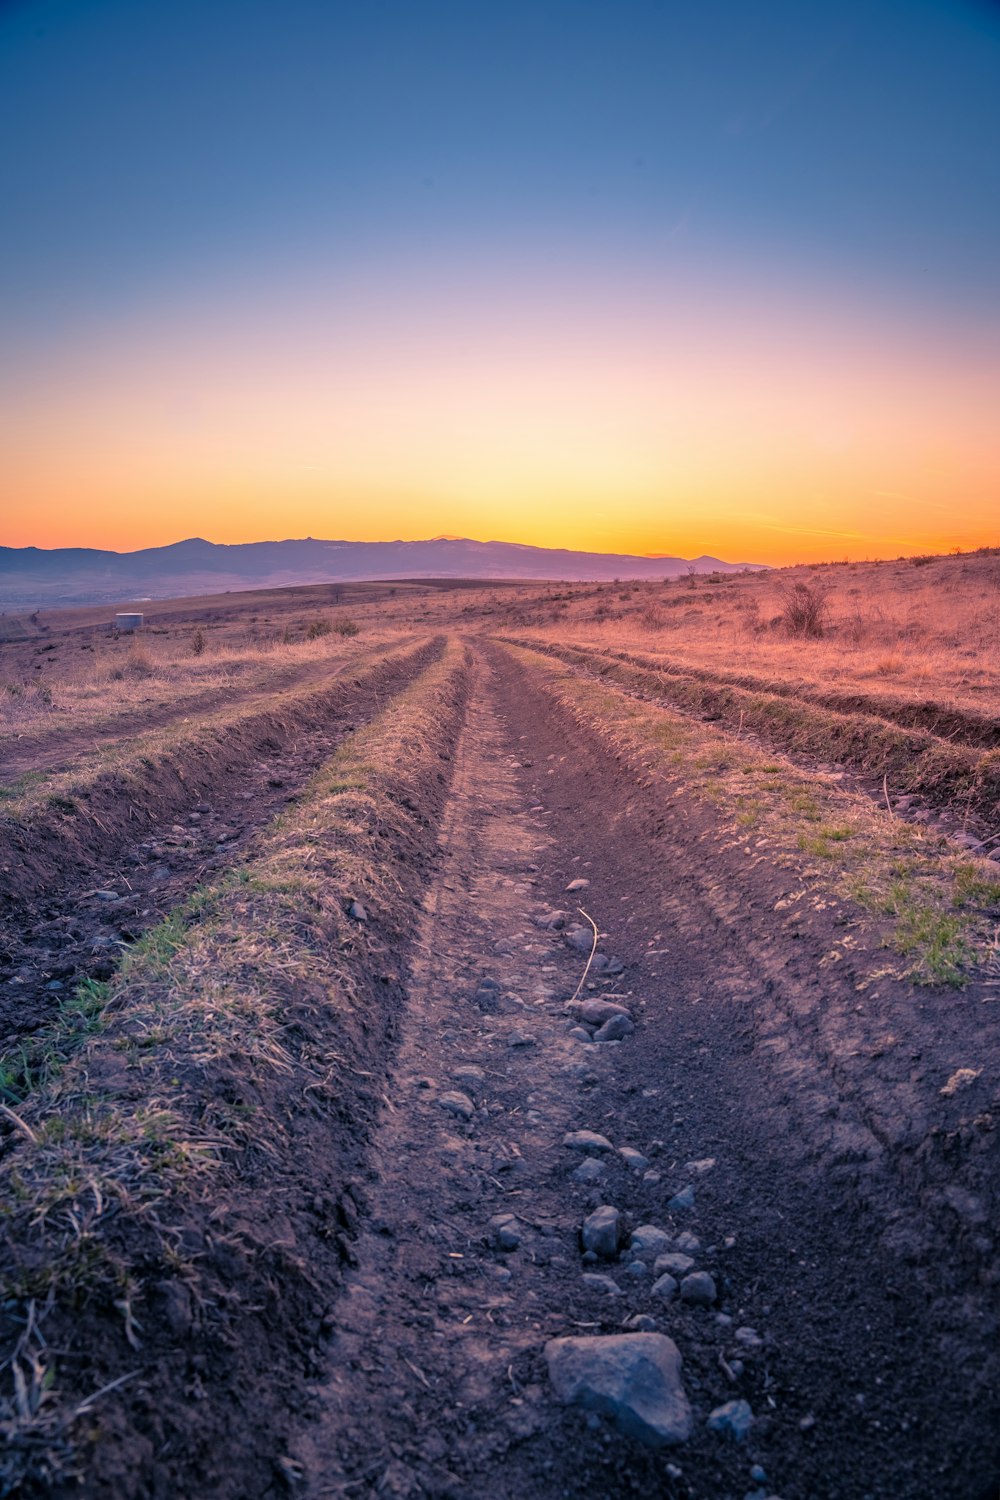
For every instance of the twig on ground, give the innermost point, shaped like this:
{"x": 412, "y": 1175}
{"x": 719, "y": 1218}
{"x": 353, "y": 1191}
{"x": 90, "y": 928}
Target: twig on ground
{"x": 590, "y": 960}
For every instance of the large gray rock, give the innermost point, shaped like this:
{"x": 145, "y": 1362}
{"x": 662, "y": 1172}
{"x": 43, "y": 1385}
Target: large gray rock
{"x": 633, "y": 1378}
{"x": 614, "y": 1030}
{"x": 601, "y": 1231}
{"x": 649, "y": 1239}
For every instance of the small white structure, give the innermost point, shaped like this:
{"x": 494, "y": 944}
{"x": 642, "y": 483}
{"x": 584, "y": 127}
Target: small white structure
{"x": 128, "y": 622}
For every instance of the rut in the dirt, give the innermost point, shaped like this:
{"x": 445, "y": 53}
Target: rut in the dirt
{"x": 817, "y": 1360}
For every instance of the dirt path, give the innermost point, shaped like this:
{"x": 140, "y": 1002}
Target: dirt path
{"x": 860, "y": 1335}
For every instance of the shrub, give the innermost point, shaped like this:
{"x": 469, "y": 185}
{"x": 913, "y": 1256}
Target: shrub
{"x": 346, "y": 627}
{"x": 317, "y": 628}
{"x": 197, "y": 643}
{"x": 804, "y": 608}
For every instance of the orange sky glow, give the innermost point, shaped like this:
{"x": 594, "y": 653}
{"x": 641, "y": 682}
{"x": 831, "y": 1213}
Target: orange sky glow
{"x": 756, "y": 426}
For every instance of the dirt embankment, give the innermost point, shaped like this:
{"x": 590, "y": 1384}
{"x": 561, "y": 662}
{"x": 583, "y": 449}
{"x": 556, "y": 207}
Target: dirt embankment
{"x": 84, "y": 881}
{"x": 181, "y": 1186}
{"x": 960, "y": 768}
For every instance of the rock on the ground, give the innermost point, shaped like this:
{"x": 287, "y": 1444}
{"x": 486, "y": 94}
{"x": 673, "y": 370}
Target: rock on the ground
{"x": 648, "y": 1239}
{"x": 614, "y": 1030}
{"x": 504, "y": 1232}
{"x": 589, "y": 1141}
{"x": 357, "y": 911}
{"x": 688, "y": 1242}
{"x": 699, "y": 1168}
{"x": 598, "y": 1283}
{"x": 734, "y": 1420}
{"x": 596, "y": 1012}
{"x": 580, "y": 938}
{"x": 590, "y": 1170}
{"x": 698, "y": 1289}
{"x": 683, "y": 1199}
{"x": 664, "y": 1287}
{"x": 579, "y": 884}
{"x": 601, "y": 1231}
{"x": 675, "y": 1262}
{"x": 580, "y": 1034}
{"x": 456, "y": 1104}
{"x": 633, "y": 1378}
{"x": 633, "y": 1159}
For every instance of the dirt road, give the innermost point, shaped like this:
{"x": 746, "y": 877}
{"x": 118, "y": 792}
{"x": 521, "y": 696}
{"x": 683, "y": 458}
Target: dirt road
{"x": 852, "y": 1293}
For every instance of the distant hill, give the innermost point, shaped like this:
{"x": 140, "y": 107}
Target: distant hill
{"x": 31, "y": 576}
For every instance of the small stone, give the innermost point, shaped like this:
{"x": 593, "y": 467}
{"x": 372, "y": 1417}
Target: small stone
{"x": 652, "y": 1179}
{"x": 758, "y": 1474}
{"x": 504, "y": 1232}
{"x": 578, "y": 885}
{"x": 749, "y": 1338}
{"x": 641, "y": 1323}
{"x": 632, "y": 1378}
{"x": 598, "y": 1283}
{"x": 733, "y": 1420}
{"x": 614, "y": 1030}
{"x": 595, "y": 1012}
{"x": 580, "y": 1034}
{"x": 551, "y": 921}
{"x": 456, "y": 1104}
{"x": 664, "y": 1287}
{"x": 520, "y": 1039}
{"x": 601, "y": 1231}
{"x": 579, "y": 938}
{"x": 688, "y": 1242}
{"x": 469, "y": 1073}
{"x": 699, "y": 1168}
{"x": 633, "y": 1159}
{"x": 589, "y": 1171}
{"x": 357, "y": 911}
{"x": 107, "y": 895}
{"x": 637, "y": 1269}
{"x": 589, "y": 1141}
{"x": 698, "y": 1289}
{"x": 683, "y": 1199}
{"x": 676, "y": 1263}
{"x": 648, "y": 1239}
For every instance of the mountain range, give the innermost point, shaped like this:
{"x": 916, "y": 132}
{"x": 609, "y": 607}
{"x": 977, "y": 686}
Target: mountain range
{"x": 32, "y": 576}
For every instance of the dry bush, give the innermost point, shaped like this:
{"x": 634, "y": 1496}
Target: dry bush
{"x": 198, "y": 643}
{"x": 654, "y": 617}
{"x": 318, "y": 628}
{"x": 137, "y": 666}
{"x": 347, "y": 627}
{"x": 805, "y": 608}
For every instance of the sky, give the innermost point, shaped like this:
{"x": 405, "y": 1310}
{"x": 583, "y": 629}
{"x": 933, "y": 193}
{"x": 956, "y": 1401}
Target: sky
{"x": 660, "y": 277}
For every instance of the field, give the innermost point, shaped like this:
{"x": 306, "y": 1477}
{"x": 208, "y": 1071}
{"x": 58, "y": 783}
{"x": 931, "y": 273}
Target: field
{"x": 316, "y": 904}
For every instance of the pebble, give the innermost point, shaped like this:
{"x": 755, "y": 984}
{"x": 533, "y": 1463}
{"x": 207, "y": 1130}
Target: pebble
{"x": 470, "y": 1073}
{"x": 580, "y": 938}
{"x": 598, "y": 1283}
{"x": 637, "y": 1269}
{"x": 106, "y": 895}
{"x": 698, "y": 1289}
{"x": 699, "y": 1168}
{"x": 734, "y": 1419}
{"x": 683, "y": 1199}
{"x": 595, "y": 1012}
{"x": 664, "y": 1287}
{"x": 688, "y": 1241}
{"x": 614, "y": 1030}
{"x": 758, "y": 1474}
{"x": 580, "y": 1033}
{"x": 357, "y": 911}
{"x": 652, "y": 1179}
{"x": 676, "y": 1263}
{"x": 641, "y": 1323}
{"x": 749, "y": 1338}
{"x": 520, "y": 1039}
{"x": 648, "y": 1239}
{"x": 587, "y": 1140}
{"x": 504, "y": 1232}
{"x": 632, "y": 1378}
{"x": 456, "y": 1104}
{"x": 551, "y": 921}
{"x": 590, "y": 1170}
{"x": 633, "y": 1159}
{"x": 601, "y": 1231}
{"x": 580, "y": 884}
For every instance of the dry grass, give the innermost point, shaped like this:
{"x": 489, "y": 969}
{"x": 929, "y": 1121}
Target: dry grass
{"x": 177, "y": 1083}
{"x": 937, "y": 908}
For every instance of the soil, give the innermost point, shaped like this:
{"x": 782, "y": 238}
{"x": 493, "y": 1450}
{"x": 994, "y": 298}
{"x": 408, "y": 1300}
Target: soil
{"x": 848, "y": 1217}
{"x": 824, "y": 1226}
{"x": 154, "y": 833}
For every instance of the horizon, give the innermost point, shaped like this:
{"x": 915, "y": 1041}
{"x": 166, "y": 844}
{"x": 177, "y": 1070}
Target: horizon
{"x": 618, "y": 281}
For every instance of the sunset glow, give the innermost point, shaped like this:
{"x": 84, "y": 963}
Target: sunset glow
{"x": 708, "y": 386}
